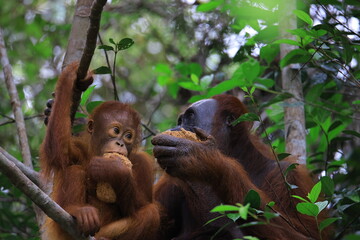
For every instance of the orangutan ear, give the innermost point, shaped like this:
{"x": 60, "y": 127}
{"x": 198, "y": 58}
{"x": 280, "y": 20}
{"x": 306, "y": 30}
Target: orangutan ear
{"x": 90, "y": 126}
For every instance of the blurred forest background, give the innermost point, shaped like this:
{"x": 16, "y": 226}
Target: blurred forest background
{"x": 185, "y": 50}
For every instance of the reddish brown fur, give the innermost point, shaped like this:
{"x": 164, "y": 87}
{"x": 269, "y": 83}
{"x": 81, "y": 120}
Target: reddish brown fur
{"x": 72, "y": 160}
{"x": 209, "y": 177}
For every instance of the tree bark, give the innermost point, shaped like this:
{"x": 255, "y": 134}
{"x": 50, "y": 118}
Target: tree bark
{"x": 294, "y": 116}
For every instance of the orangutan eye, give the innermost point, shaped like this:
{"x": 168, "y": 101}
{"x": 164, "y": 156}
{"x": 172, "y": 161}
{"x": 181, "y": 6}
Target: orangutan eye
{"x": 116, "y": 130}
{"x": 128, "y": 136}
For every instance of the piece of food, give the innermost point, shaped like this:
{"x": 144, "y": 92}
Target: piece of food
{"x": 183, "y": 134}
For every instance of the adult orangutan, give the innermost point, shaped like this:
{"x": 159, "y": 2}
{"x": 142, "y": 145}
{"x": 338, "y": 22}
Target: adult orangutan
{"x": 221, "y": 168}
{"x": 100, "y": 177}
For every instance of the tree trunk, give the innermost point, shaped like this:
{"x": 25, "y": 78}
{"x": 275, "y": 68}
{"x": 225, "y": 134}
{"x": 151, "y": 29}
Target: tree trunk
{"x": 294, "y": 116}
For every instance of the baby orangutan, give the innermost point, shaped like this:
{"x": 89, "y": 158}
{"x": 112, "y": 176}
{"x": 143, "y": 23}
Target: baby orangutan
{"x": 100, "y": 177}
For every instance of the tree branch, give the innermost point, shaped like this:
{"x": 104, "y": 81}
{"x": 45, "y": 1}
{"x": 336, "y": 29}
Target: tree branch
{"x": 41, "y": 199}
{"x": 31, "y": 174}
{"x": 15, "y": 103}
{"x": 90, "y": 45}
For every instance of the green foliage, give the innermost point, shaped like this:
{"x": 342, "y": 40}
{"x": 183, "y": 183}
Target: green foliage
{"x": 182, "y": 70}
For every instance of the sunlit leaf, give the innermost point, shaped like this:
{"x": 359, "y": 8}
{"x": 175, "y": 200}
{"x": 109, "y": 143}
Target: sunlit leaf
{"x": 310, "y": 209}
{"x": 243, "y": 211}
{"x": 298, "y": 197}
{"x": 85, "y": 96}
{"x": 303, "y": 16}
{"x": 91, "y": 105}
{"x": 315, "y": 192}
{"x": 222, "y": 87}
{"x": 288, "y": 41}
{"x": 80, "y": 115}
{"x": 190, "y": 86}
{"x": 225, "y": 208}
{"x": 209, "y": 6}
{"x": 194, "y": 78}
{"x": 163, "y": 68}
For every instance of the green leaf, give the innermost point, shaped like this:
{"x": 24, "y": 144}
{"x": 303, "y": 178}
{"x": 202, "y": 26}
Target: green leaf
{"x": 206, "y": 81}
{"x": 85, "y": 96}
{"x": 290, "y": 168}
{"x": 250, "y": 238}
{"x": 327, "y": 185}
{"x": 253, "y": 198}
{"x": 196, "y": 98}
{"x": 322, "y": 205}
{"x": 298, "y": 197}
{"x": 233, "y": 216}
{"x": 243, "y": 211}
{"x": 102, "y": 70}
{"x": 222, "y": 87}
{"x": 125, "y": 43}
{"x": 225, "y": 208}
{"x": 326, "y": 223}
{"x": 351, "y": 132}
{"x": 246, "y": 117}
{"x": 295, "y": 56}
{"x": 269, "y": 52}
{"x": 194, "y": 78}
{"x": 106, "y": 47}
{"x": 271, "y": 204}
{"x": 278, "y": 98}
{"x": 80, "y": 115}
{"x": 91, "y": 105}
{"x": 112, "y": 41}
{"x": 264, "y": 82}
{"x": 214, "y": 219}
{"x": 303, "y": 16}
{"x": 288, "y": 41}
{"x": 173, "y": 89}
{"x": 209, "y": 6}
{"x": 270, "y": 215}
{"x": 334, "y": 125}
{"x": 315, "y": 192}
{"x": 163, "y": 68}
{"x": 281, "y": 156}
{"x": 310, "y": 209}
{"x": 299, "y": 32}
{"x": 251, "y": 70}
{"x": 190, "y": 86}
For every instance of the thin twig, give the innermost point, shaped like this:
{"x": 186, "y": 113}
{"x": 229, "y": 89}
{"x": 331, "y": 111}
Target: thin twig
{"x": 333, "y": 17}
{"x": 15, "y": 103}
{"x": 12, "y": 120}
{"x": 112, "y": 70}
